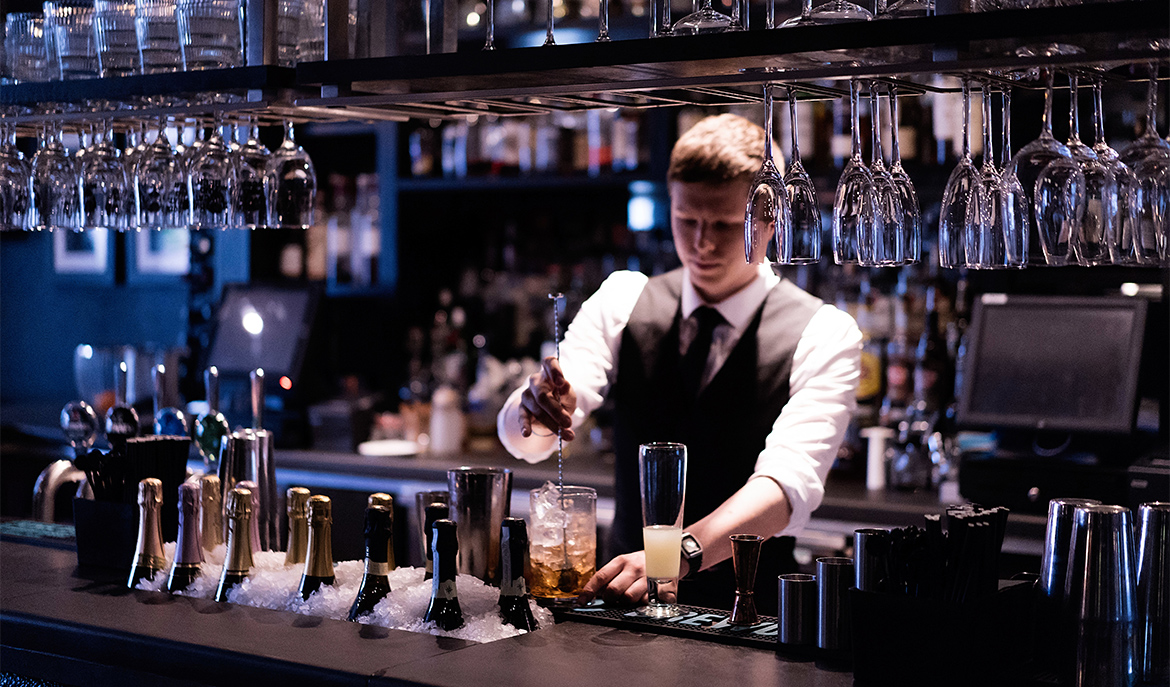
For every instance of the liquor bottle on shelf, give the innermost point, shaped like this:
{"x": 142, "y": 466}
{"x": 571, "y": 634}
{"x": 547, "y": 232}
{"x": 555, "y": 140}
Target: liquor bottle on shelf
{"x": 319, "y": 557}
{"x": 433, "y": 512}
{"x": 375, "y": 584}
{"x": 238, "y": 562}
{"x": 211, "y": 513}
{"x": 931, "y": 364}
{"x": 869, "y": 388}
{"x": 121, "y": 418}
{"x": 383, "y": 499}
{"x": 514, "y": 607}
{"x": 444, "y": 609}
{"x": 211, "y": 427}
{"x": 149, "y": 557}
{"x": 168, "y": 420}
{"x": 899, "y": 365}
{"x": 297, "y": 504}
{"x": 189, "y": 547}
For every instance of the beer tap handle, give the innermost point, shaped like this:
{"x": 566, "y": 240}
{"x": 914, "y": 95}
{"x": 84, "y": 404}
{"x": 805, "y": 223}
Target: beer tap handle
{"x": 258, "y": 398}
{"x": 211, "y": 381}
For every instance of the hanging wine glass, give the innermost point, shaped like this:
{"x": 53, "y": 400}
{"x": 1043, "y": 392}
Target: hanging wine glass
{"x": 1153, "y": 201}
{"x": 1059, "y": 205}
{"x": 1030, "y": 160}
{"x": 293, "y": 182}
{"x": 879, "y": 244}
{"x": 548, "y": 26}
{"x": 1090, "y": 244}
{"x": 962, "y": 190}
{"x": 15, "y": 181}
{"x": 253, "y": 183}
{"x": 767, "y": 207}
{"x": 803, "y": 244}
{"x": 854, "y": 205}
{"x": 603, "y": 22}
{"x": 704, "y": 20}
{"x": 490, "y": 39}
{"x": 55, "y": 191}
{"x": 160, "y": 185}
{"x": 904, "y": 9}
{"x": 1119, "y": 234}
{"x": 1149, "y": 142}
{"x": 911, "y": 224}
{"x": 1013, "y": 199}
{"x": 802, "y": 19}
{"x": 984, "y": 241}
{"x": 104, "y": 184}
{"x": 211, "y": 180}
{"x": 838, "y": 11}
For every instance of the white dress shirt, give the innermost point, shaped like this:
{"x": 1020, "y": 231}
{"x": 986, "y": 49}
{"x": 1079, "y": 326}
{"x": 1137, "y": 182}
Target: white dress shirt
{"x": 799, "y": 450}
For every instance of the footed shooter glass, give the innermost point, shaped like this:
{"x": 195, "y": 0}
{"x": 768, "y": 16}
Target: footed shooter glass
{"x": 662, "y": 476}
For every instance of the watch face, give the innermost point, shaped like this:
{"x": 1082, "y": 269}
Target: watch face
{"x": 690, "y": 545}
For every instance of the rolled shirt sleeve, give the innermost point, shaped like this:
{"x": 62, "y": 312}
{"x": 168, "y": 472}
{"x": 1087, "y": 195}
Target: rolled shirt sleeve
{"x": 800, "y": 449}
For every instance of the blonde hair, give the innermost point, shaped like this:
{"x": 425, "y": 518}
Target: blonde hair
{"x": 719, "y": 149}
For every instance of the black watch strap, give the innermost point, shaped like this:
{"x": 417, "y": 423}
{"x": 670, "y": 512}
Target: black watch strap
{"x": 692, "y": 552}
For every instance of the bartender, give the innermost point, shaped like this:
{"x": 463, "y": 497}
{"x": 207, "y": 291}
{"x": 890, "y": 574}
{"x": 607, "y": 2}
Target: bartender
{"x": 754, "y": 375}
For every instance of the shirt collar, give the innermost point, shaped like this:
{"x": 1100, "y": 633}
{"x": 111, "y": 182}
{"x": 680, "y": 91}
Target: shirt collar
{"x": 738, "y": 308}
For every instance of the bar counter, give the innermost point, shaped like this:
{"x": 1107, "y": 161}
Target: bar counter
{"x": 58, "y": 626}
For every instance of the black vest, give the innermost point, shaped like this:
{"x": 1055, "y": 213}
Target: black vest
{"x": 725, "y": 427}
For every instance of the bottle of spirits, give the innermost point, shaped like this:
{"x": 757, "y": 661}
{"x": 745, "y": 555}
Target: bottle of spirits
{"x": 383, "y": 499}
{"x": 433, "y": 512}
{"x": 211, "y": 514}
{"x": 148, "y": 552}
{"x": 514, "y": 607}
{"x": 168, "y": 421}
{"x": 375, "y": 583}
{"x": 238, "y": 562}
{"x": 189, "y": 547}
{"x": 931, "y": 363}
{"x": 444, "y": 608}
{"x": 899, "y": 368}
{"x": 211, "y": 427}
{"x": 297, "y": 501}
{"x": 319, "y": 558}
{"x": 121, "y": 418}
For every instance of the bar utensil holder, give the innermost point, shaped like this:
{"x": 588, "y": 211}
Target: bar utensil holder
{"x": 745, "y": 558}
{"x": 107, "y": 532}
{"x": 834, "y": 619}
{"x": 798, "y": 611}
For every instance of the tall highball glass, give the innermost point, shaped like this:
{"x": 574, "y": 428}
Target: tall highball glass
{"x": 662, "y": 476}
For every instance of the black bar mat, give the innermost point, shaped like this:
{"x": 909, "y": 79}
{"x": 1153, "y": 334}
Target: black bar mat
{"x": 705, "y": 624}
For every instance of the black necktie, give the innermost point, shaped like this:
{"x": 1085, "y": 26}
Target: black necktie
{"x": 695, "y": 360}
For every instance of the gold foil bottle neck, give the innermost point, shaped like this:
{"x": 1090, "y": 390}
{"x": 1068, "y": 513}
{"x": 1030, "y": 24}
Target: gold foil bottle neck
{"x": 239, "y": 554}
{"x": 239, "y": 504}
{"x": 149, "y": 491}
{"x": 297, "y": 501}
{"x": 381, "y": 499}
{"x": 319, "y": 559}
{"x": 211, "y": 527}
{"x": 320, "y": 510}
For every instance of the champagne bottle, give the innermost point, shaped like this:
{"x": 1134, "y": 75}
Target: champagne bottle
{"x": 238, "y": 562}
{"x": 255, "y": 492}
{"x": 383, "y": 499}
{"x": 514, "y": 607}
{"x": 211, "y": 520}
{"x": 319, "y": 558}
{"x": 189, "y": 547}
{"x": 148, "y": 552}
{"x": 297, "y": 503}
{"x": 434, "y": 511}
{"x": 121, "y": 418}
{"x": 444, "y": 608}
{"x": 211, "y": 427}
{"x": 375, "y": 583}
{"x": 168, "y": 421}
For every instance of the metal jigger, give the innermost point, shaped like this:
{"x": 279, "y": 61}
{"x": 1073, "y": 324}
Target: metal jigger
{"x": 745, "y": 556}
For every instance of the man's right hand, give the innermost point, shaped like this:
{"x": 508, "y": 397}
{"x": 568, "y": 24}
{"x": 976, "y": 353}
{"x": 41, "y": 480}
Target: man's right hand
{"x": 549, "y": 400}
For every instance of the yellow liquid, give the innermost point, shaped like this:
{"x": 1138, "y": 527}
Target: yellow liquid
{"x": 663, "y": 544}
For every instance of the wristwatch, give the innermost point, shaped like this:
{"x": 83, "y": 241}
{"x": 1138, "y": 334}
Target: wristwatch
{"x": 692, "y": 553}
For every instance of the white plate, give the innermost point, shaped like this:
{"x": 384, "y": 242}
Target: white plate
{"x": 388, "y": 447}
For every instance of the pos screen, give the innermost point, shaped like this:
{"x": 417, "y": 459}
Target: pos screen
{"x": 1058, "y": 363}
{"x": 262, "y": 326}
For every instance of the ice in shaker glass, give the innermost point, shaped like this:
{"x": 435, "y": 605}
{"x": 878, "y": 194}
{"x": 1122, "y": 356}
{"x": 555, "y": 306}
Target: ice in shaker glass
{"x": 562, "y": 540}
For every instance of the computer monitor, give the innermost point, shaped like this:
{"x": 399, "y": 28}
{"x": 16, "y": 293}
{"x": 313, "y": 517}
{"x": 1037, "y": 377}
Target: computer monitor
{"x": 263, "y": 327}
{"x": 1053, "y": 363}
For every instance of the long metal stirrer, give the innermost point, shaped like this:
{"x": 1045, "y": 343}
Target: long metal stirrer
{"x": 566, "y": 569}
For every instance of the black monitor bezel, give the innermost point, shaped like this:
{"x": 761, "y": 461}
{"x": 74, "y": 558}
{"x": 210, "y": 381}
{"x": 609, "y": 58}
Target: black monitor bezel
{"x": 970, "y": 419}
{"x": 305, "y": 330}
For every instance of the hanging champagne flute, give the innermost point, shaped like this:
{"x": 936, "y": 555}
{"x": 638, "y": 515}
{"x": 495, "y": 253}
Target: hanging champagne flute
{"x": 879, "y": 244}
{"x": 767, "y": 207}
{"x": 854, "y": 205}
{"x": 911, "y": 225}
{"x": 1014, "y": 200}
{"x": 1089, "y": 243}
{"x": 984, "y": 241}
{"x": 1120, "y": 233}
{"x": 962, "y": 189}
{"x": 803, "y": 246}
